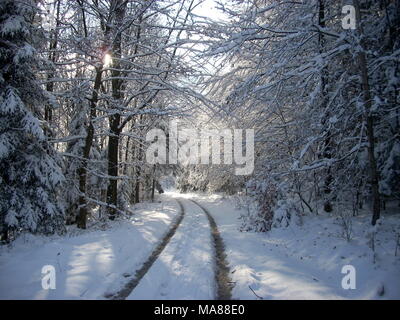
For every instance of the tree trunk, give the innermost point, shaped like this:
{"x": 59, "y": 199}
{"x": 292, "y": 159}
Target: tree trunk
{"x": 153, "y": 185}
{"x": 119, "y": 9}
{"x": 48, "y": 110}
{"x": 152, "y": 189}
{"x": 126, "y": 155}
{"x": 82, "y": 170}
{"x": 327, "y": 151}
{"x": 4, "y": 234}
{"x": 113, "y": 147}
{"x": 138, "y": 174}
{"x": 373, "y": 170}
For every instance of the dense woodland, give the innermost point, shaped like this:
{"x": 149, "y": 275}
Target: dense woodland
{"x": 82, "y": 82}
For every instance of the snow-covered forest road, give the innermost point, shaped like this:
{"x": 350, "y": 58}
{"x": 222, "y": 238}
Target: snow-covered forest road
{"x": 199, "y": 149}
{"x": 176, "y": 258}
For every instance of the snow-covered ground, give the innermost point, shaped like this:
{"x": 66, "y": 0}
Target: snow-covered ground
{"x": 298, "y": 262}
{"x": 305, "y": 262}
{"x": 88, "y": 263}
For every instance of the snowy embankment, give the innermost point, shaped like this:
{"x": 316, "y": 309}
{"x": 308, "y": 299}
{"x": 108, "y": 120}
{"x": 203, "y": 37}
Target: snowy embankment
{"x": 88, "y": 263}
{"x": 305, "y": 262}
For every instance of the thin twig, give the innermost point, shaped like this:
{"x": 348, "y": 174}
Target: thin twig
{"x": 261, "y": 298}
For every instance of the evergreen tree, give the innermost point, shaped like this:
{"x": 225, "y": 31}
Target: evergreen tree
{"x": 29, "y": 170}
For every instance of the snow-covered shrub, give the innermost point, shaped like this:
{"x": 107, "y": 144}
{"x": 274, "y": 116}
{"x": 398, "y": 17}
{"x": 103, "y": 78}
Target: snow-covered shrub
{"x": 259, "y": 217}
{"x": 252, "y": 220}
{"x": 286, "y": 213}
{"x": 345, "y": 214}
{"x": 370, "y": 235}
{"x": 249, "y": 207}
{"x": 346, "y": 222}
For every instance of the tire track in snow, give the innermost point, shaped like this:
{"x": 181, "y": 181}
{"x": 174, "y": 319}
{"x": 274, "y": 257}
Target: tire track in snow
{"x": 128, "y": 288}
{"x": 185, "y": 268}
{"x": 221, "y": 268}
